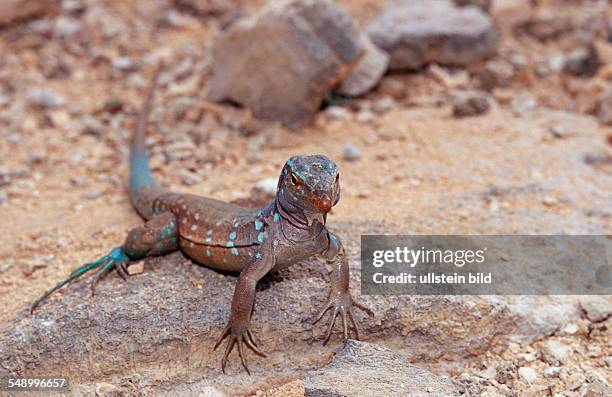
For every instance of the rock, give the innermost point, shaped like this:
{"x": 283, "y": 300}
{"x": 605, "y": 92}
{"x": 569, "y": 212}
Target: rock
{"x": 91, "y": 125}
{"x": 361, "y": 369}
{"x": 208, "y": 7}
{"x": 470, "y": 103}
{"x": 523, "y": 104}
{"x": 485, "y": 5}
{"x": 596, "y": 308}
{"x": 596, "y": 389}
{"x": 104, "y": 389}
{"x": 608, "y": 361}
{"x": 189, "y": 177}
{"x": 17, "y": 10}
{"x": 45, "y": 98}
{"x": 552, "y": 372}
{"x": 338, "y": 113}
{"x": 368, "y": 71}
{"x": 67, "y": 27}
{"x": 350, "y": 152}
{"x": 582, "y": 61}
{"x": 417, "y": 32}
{"x": 170, "y": 322}
{"x": 265, "y": 188}
{"x": 555, "y": 352}
{"x": 365, "y": 116}
{"x": 604, "y": 108}
{"x": 4, "y": 200}
{"x": 383, "y": 104}
{"x": 282, "y": 63}
{"x": 496, "y": 73}
{"x": 527, "y": 374}
{"x": 124, "y": 64}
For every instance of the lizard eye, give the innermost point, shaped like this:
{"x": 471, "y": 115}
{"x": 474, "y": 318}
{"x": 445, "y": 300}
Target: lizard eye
{"x": 295, "y": 180}
{"x": 337, "y": 177}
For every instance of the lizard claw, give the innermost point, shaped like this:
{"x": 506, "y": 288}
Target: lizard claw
{"x": 237, "y": 337}
{"x": 342, "y": 304}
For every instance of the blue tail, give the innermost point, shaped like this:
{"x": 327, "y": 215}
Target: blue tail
{"x": 140, "y": 173}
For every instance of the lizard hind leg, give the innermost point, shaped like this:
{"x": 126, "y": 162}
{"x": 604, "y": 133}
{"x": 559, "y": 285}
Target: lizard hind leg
{"x": 115, "y": 257}
{"x": 156, "y": 237}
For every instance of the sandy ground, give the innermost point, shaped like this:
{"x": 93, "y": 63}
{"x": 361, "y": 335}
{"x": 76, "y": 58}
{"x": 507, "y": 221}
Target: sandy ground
{"x": 65, "y": 196}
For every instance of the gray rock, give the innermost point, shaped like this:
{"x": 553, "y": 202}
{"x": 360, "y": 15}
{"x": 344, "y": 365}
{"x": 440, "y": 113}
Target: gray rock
{"x": 485, "y": 5}
{"x": 596, "y": 308}
{"x": 4, "y": 200}
{"x": 16, "y": 10}
{"x": 552, "y": 372}
{"x": 496, "y": 73}
{"x": 282, "y": 63}
{"x": 338, "y": 112}
{"x": 368, "y": 71}
{"x": 470, "y": 103}
{"x": 555, "y": 352}
{"x": 421, "y": 31}
{"x": 170, "y": 316}
{"x": 604, "y": 108}
{"x": 350, "y": 152}
{"x": 527, "y": 374}
{"x": 67, "y": 27}
{"x": 45, "y": 98}
{"x": 582, "y": 61}
{"x": 124, "y": 63}
{"x": 361, "y": 369}
{"x": 208, "y": 7}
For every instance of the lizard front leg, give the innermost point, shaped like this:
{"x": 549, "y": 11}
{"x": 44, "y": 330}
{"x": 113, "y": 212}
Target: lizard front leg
{"x": 237, "y": 328}
{"x": 340, "y": 299}
{"x": 156, "y": 237}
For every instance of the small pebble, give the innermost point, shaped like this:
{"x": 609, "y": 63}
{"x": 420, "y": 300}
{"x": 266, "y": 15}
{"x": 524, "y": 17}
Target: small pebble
{"x": 365, "y": 116}
{"x": 45, "y": 98}
{"x": 124, "y": 64}
{"x": 338, "y": 112}
{"x": 3, "y": 198}
{"x": 350, "y": 152}
{"x": 91, "y": 125}
{"x": 527, "y": 374}
{"x": 189, "y": 178}
{"x": 67, "y": 27}
{"x": 552, "y": 372}
{"x": 383, "y": 105}
{"x": 470, "y": 103}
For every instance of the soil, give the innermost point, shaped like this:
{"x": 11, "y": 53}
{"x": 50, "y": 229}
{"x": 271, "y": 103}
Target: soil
{"x": 537, "y": 162}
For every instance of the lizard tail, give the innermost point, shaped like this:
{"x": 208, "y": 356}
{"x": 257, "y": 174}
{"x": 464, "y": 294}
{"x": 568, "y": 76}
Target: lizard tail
{"x": 140, "y": 173}
{"x": 143, "y": 188}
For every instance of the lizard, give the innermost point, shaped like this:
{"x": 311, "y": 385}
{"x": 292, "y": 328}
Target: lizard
{"x": 227, "y": 237}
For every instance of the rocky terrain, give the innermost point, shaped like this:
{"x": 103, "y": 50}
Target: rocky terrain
{"x": 497, "y": 121}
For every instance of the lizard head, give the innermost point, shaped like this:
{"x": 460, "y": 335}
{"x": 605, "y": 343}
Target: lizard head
{"x": 310, "y": 183}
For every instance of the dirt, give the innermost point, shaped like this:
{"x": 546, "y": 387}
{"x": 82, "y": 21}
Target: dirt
{"x": 505, "y": 171}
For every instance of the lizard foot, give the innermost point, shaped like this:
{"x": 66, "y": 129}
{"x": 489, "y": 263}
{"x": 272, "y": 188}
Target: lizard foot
{"x": 115, "y": 258}
{"x": 342, "y": 303}
{"x": 237, "y": 336}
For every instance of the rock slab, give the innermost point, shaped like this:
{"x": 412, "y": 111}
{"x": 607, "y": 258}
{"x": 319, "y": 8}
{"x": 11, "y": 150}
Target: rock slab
{"x": 418, "y": 32}
{"x": 282, "y": 63}
{"x": 361, "y": 369}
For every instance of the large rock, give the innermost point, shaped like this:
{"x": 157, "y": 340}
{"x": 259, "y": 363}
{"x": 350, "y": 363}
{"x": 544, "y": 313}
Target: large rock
{"x": 157, "y": 329}
{"x": 417, "y": 32}
{"x": 362, "y": 369}
{"x": 16, "y": 10}
{"x": 368, "y": 71}
{"x": 283, "y": 62}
